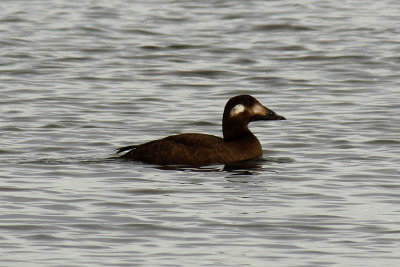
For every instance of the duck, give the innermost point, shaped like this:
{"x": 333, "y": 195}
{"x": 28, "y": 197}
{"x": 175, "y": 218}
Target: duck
{"x": 195, "y": 149}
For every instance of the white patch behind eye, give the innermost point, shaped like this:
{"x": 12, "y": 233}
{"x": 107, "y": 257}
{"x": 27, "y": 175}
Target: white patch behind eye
{"x": 236, "y": 110}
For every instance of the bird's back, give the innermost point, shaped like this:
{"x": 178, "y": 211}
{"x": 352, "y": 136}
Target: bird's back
{"x": 187, "y": 149}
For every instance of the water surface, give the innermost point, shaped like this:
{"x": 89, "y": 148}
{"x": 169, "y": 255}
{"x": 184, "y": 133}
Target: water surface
{"x": 79, "y": 79}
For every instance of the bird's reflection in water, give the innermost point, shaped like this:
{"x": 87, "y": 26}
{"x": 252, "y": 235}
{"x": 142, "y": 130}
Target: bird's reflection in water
{"x": 248, "y": 167}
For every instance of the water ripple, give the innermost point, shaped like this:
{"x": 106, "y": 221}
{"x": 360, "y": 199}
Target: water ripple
{"x": 80, "y": 79}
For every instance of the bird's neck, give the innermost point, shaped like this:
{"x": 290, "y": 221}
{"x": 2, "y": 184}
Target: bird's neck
{"x": 235, "y": 129}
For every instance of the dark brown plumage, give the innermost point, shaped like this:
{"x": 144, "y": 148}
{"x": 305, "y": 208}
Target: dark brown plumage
{"x": 194, "y": 149}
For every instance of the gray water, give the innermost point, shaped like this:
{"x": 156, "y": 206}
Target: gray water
{"x": 81, "y": 78}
